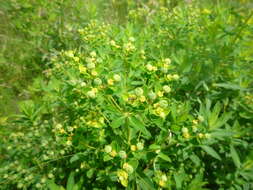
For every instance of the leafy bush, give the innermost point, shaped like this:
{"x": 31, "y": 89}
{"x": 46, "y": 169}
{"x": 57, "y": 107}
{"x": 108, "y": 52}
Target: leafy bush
{"x": 29, "y": 31}
{"x": 155, "y": 104}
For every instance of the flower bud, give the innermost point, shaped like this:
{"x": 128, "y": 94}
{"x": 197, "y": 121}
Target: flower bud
{"x": 175, "y": 76}
{"x": 128, "y": 168}
{"x": 113, "y": 153}
{"x": 138, "y": 91}
{"x": 152, "y": 95}
{"x": 184, "y": 130}
{"x": 200, "y": 118}
{"x": 110, "y": 81}
{"x": 163, "y": 103}
{"x": 122, "y": 154}
{"x": 166, "y": 88}
{"x": 93, "y": 54}
{"x": 91, "y": 65}
{"x": 167, "y": 61}
{"x": 108, "y": 148}
{"x": 133, "y": 148}
{"x": 117, "y": 77}
{"x": 149, "y": 67}
{"x": 139, "y": 146}
{"x": 97, "y": 81}
{"x": 91, "y": 94}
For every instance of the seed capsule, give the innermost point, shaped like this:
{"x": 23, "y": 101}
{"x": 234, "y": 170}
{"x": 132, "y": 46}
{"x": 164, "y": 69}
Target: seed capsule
{"x": 97, "y": 81}
{"x": 163, "y": 103}
{"x": 108, "y": 149}
{"x": 152, "y": 95}
{"x": 122, "y": 154}
{"x": 138, "y": 91}
{"x": 117, "y": 77}
{"x": 166, "y": 89}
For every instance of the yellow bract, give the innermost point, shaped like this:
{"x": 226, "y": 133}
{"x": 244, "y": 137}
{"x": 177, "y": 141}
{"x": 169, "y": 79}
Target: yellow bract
{"x": 82, "y": 69}
{"x": 123, "y": 177}
{"x": 110, "y": 81}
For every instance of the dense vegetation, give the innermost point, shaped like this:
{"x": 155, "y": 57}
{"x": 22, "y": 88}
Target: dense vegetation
{"x": 156, "y": 95}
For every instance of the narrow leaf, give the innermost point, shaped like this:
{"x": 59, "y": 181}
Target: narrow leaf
{"x": 144, "y": 182}
{"x": 139, "y": 126}
{"x": 235, "y": 156}
{"x": 118, "y": 122}
{"x": 178, "y": 179}
{"x": 164, "y": 157}
{"x": 209, "y": 150}
{"x": 52, "y": 186}
{"x": 71, "y": 181}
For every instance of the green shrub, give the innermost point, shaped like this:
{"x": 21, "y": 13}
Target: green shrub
{"x": 155, "y": 104}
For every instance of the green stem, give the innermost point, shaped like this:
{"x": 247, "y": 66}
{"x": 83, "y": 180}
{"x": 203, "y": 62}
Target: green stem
{"x": 241, "y": 29}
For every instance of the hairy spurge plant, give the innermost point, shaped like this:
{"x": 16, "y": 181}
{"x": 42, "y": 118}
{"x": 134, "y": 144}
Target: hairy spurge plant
{"x": 138, "y": 108}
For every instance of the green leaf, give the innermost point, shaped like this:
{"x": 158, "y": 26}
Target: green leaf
{"x": 235, "y": 156}
{"x": 137, "y": 83}
{"x": 179, "y": 178}
{"x": 144, "y": 182}
{"x": 164, "y": 157}
{"x": 134, "y": 163}
{"x": 52, "y": 186}
{"x": 195, "y": 159}
{"x": 90, "y": 173}
{"x": 118, "y": 122}
{"x": 221, "y": 121}
{"x": 214, "y": 114}
{"x": 229, "y": 86}
{"x": 139, "y": 126}
{"x": 107, "y": 158}
{"x": 74, "y": 158}
{"x": 222, "y": 133}
{"x": 71, "y": 181}
{"x": 154, "y": 147}
{"x": 197, "y": 183}
{"x": 209, "y": 150}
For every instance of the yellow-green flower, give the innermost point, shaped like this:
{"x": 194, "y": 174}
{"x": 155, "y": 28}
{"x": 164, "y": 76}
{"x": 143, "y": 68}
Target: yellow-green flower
{"x": 166, "y": 89}
{"x": 175, "y": 76}
{"x": 123, "y": 177}
{"x": 152, "y": 95}
{"x": 122, "y": 154}
{"x": 82, "y": 69}
{"x": 186, "y": 135}
{"x": 113, "y": 153}
{"x": 167, "y": 61}
{"x": 184, "y": 130}
{"x": 149, "y": 67}
{"x": 93, "y": 54}
{"x": 94, "y": 73}
{"x": 91, "y": 65}
{"x": 160, "y": 94}
{"x": 138, "y": 91}
{"x": 77, "y": 59}
{"x": 91, "y": 94}
{"x": 110, "y": 81}
{"x": 163, "y": 103}
{"x": 129, "y": 169}
{"x": 142, "y": 98}
{"x": 133, "y": 148}
{"x": 108, "y": 148}
{"x": 97, "y": 81}
{"x": 140, "y": 146}
{"x": 69, "y": 53}
{"x": 117, "y": 78}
